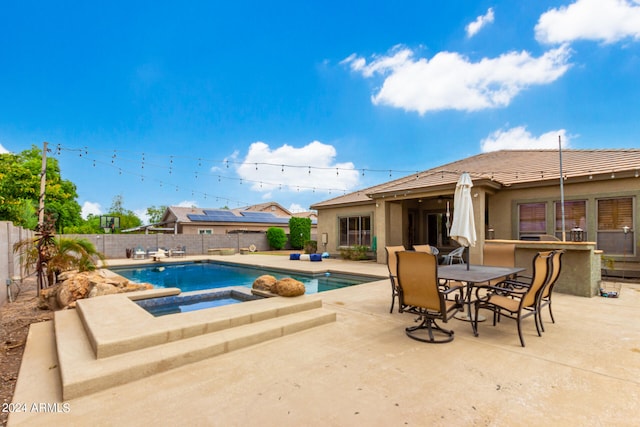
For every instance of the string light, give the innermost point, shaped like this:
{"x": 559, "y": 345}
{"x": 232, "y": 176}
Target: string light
{"x": 111, "y": 155}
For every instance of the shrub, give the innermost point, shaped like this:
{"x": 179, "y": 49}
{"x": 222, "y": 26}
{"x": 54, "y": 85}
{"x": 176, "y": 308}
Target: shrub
{"x": 276, "y": 238}
{"x": 310, "y": 247}
{"x": 354, "y": 253}
{"x": 299, "y": 231}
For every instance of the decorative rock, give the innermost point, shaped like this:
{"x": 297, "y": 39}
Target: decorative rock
{"x": 86, "y": 284}
{"x": 103, "y": 289}
{"x": 264, "y": 283}
{"x": 288, "y": 287}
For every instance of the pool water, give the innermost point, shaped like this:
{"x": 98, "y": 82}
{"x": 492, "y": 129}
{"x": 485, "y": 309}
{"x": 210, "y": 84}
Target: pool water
{"x": 185, "y": 303}
{"x": 210, "y": 275}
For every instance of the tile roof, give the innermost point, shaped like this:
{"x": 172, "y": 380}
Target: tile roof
{"x": 505, "y": 168}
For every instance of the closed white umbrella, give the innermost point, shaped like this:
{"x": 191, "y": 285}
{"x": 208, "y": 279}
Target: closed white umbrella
{"x": 463, "y": 228}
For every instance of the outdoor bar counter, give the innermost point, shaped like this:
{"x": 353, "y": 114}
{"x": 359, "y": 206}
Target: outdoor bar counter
{"x": 581, "y": 263}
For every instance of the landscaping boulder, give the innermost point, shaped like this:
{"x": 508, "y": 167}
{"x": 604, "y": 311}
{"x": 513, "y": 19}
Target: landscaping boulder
{"x": 288, "y": 287}
{"x": 87, "y": 284}
{"x": 264, "y": 283}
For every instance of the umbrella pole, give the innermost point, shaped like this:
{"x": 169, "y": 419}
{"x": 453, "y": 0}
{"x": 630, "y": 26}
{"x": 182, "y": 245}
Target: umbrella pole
{"x": 468, "y": 256}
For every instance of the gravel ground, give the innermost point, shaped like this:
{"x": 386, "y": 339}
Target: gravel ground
{"x": 15, "y": 318}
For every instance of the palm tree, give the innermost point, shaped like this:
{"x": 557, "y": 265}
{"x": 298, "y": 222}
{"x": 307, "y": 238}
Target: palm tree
{"x": 57, "y": 254}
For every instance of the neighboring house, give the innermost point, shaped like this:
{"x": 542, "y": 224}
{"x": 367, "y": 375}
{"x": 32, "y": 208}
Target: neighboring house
{"x": 251, "y": 219}
{"x": 516, "y": 196}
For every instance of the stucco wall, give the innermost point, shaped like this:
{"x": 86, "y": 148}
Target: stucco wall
{"x": 328, "y": 222}
{"x": 503, "y": 213}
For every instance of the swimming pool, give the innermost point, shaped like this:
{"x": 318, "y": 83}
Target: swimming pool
{"x": 195, "y": 276}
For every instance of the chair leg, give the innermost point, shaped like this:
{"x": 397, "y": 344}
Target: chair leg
{"x": 520, "y": 332}
{"x": 430, "y": 325}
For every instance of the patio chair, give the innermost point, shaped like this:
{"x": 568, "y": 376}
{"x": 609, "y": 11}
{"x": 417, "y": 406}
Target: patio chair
{"x": 420, "y": 294}
{"x": 392, "y": 265}
{"x": 455, "y": 254}
{"x": 139, "y": 253}
{"x": 499, "y": 255}
{"x": 516, "y": 299}
{"x": 545, "y": 297}
{"x": 426, "y": 248}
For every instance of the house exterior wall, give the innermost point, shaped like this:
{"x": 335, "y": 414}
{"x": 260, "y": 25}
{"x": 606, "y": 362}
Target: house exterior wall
{"x": 503, "y": 206}
{"x": 496, "y": 209}
{"x": 329, "y": 223}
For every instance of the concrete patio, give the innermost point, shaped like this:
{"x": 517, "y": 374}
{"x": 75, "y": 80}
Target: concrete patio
{"x": 361, "y": 369}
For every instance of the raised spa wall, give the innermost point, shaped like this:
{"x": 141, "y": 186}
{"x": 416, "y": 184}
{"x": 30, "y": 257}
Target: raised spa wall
{"x": 581, "y": 264}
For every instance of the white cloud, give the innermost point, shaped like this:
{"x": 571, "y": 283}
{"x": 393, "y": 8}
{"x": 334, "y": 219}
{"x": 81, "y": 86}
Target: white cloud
{"x": 600, "y": 20}
{"x": 481, "y": 21}
{"x": 227, "y": 160}
{"x": 286, "y": 168}
{"x": 294, "y": 208}
{"x": 450, "y": 81}
{"x": 142, "y": 214}
{"x": 187, "y": 204}
{"x": 3, "y": 150}
{"x": 519, "y": 138}
{"x": 90, "y": 208}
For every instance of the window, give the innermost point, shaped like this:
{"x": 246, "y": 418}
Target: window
{"x": 355, "y": 230}
{"x": 205, "y": 231}
{"x": 575, "y": 216}
{"x": 532, "y": 220}
{"x": 613, "y": 216}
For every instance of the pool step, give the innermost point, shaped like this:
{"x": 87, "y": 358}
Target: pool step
{"x": 116, "y": 325}
{"x": 83, "y": 373}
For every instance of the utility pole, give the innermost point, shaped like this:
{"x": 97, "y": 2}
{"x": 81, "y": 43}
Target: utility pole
{"x": 41, "y": 225}
{"x": 564, "y": 234}
{"x": 43, "y": 185}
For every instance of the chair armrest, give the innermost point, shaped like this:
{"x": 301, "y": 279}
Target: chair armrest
{"x": 499, "y": 290}
{"x": 451, "y": 289}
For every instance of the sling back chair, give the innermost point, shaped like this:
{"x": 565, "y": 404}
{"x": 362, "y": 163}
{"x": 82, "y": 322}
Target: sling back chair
{"x": 513, "y": 299}
{"x": 545, "y": 297}
{"x": 392, "y": 264}
{"x": 420, "y": 294}
{"x": 499, "y": 255}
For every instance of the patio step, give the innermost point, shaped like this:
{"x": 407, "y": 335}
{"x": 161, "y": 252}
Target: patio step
{"x": 82, "y": 372}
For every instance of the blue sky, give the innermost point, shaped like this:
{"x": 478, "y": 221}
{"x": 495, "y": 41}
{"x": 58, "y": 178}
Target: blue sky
{"x": 218, "y": 104}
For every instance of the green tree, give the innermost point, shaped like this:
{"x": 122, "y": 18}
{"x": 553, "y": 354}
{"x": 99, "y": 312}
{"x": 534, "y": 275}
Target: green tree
{"x": 276, "y": 237}
{"x": 128, "y": 219}
{"x": 91, "y": 225}
{"x": 299, "y": 231}
{"x": 155, "y": 213}
{"x": 20, "y": 190}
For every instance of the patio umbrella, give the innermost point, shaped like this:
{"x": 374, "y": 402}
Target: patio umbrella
{"x": 463, "y": 228}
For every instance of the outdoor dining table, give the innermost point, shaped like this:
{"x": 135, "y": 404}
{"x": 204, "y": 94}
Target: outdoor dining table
{"x": 473, "y": 275}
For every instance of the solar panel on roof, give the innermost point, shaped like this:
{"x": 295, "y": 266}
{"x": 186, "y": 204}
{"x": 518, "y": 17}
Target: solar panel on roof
{"x": 228, "y": 216}
{"x": 219, "y": 213}
{"x": 251, "y": 214}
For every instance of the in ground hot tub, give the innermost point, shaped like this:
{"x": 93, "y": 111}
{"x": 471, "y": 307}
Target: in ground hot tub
{"x": 192, "y": 301}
